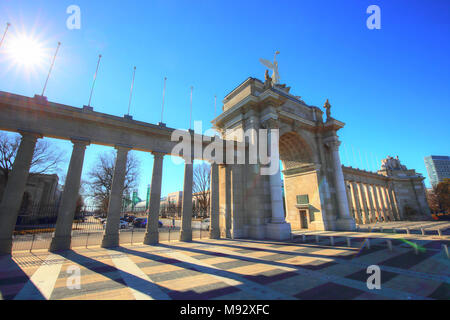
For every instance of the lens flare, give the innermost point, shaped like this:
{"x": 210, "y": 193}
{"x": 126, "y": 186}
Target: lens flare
{"x": 25, "y": 51}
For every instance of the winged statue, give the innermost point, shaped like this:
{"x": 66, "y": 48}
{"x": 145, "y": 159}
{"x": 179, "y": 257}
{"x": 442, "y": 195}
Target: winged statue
{"x": 272, "y": 66}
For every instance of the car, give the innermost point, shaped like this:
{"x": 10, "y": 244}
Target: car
{"x": 160, "y": 224}
{"x": 123, "y": 224}
{"x": 140, "y": 222}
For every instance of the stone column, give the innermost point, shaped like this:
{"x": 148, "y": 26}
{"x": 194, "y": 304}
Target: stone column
{"x": 111, "y": 236}
{"x": 377, "y": 204}
{"x": 388, "y": 204}
{"x": 371, "y": 205}
{"x": 13, "y": 194}
{"x": 228, "y": 188}
{"x": 344, "y": 221}
{"x": 152, "y": 233}
{"x": 277, "y": 229}
{"x": 382, "y": 204}
{"x": 365, "y": 207}
{"x": 214, "y": 229}
{"x": 63, "y": 232}
{"x": 394, "y": 202}
{"x": 357, "y": 203}
{"x": 349, "y": 198}
{"x": 186, "y": 217}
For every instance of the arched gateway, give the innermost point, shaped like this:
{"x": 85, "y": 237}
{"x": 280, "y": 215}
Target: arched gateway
{"x": 315, "y": 193}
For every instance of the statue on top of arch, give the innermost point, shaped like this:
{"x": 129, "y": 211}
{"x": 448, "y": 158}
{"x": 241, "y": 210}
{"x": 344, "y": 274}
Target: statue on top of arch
{"x": 392, "y": 164}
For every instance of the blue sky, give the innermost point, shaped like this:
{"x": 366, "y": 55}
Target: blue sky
{"x": 390, "y": 86}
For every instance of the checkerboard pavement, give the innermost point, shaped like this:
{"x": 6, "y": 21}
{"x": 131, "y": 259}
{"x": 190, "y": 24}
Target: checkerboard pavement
{"x": 235, "y": 270}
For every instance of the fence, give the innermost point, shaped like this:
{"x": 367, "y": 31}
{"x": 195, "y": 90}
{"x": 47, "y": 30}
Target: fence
{"x": 35, "y": 227}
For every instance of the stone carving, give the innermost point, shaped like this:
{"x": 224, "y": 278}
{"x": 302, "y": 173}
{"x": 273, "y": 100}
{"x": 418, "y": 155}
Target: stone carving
{"x": 392, "y": 164}
{"x": 272, "y": 66}
{"x": 327, "y": 107}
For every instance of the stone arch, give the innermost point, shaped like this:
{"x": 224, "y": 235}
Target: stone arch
{"x": 295, "y": 152}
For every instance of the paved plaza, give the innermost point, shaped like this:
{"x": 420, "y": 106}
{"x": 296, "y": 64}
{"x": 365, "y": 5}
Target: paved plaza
{"x": 310, "y": 268}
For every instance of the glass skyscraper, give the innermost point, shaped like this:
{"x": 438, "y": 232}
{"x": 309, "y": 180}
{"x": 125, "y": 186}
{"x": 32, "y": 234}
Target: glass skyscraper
{"x": 438, "y": 168}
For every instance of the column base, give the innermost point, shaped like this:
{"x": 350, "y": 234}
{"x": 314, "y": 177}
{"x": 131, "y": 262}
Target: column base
{"x": 151, "y": 238}
{"x": 257, "y": 232}
{"x": 5, "y": 246}
{"x": 278, "y": 231}
{"x": 345, "y": 225}
{"x": 214, "y": 234}
{"x": 60, "y": 244}
{"x": 186, "y": 235}
{"x": 110, "y": 241}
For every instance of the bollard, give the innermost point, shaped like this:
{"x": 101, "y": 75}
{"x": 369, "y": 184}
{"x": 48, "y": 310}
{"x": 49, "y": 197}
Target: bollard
{"x": 370, "y": 229}
{"x": 332, "y": 240}
{"x": 32, "y": 242}
{"x": 445, "y": 249}
{"x": 368, "y": 243}
{"x": 408, "y": 231}
{"x": 423, "y": 231}
{"x": 349, "y": 242}
{"x": 394, "y": 230}
{"x": 416, "y": 248}
{"x": 317, "y": 238}
{"x": 87, "y": 239}
{"x": 389, "y": 244}
{"x": 439, "y": 231}
{"x": 381, "y": 229}
{"x": 304, "y": 237}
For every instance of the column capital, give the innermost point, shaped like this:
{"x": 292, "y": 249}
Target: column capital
{"x": 27, "y": 134}
{"x": 332, "y": 142}
{"x": 158, "y": 154}
{"x": 122, "y": 147}
{"x": 270, "y": 123}
{"x": 80, "y": 141}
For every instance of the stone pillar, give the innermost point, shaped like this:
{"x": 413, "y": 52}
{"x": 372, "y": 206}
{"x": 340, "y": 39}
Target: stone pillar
{"x": 111, "y": 236}
{"x": 277, "y": 229}
{"x": 355, "y": 194}
{"x": 377, "y": 203}
{"x": 382, "y": 204}
{"x": 344, "y": 221}
{"x": 63, "y": 231}
{"x": 152, "y": 233}
{"x": 228, "y": 187}
{"x": 371, "y": 205}
{"x": 394, "y": 202}
{"x": 13, "y": 194}
{"x": 186, "y": 217}
{"x": 214, "y": 229}
{"x": 388, "y": 205}
{"x": 365, "y": 207}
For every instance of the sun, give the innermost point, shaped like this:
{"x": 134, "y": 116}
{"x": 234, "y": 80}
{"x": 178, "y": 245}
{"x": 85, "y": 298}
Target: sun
{"x": 26, "y": 51}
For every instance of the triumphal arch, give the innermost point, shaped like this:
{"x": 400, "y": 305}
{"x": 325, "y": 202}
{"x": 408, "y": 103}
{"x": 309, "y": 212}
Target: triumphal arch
{"x": 251, "y": 204}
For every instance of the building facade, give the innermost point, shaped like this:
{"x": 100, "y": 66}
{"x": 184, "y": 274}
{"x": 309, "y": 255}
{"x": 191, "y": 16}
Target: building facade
{"x": 438, "y": 168}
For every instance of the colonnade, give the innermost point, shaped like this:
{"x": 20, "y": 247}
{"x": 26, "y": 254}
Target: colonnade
{"x": 61, "y": 239}
{"x": 371, "y": 202}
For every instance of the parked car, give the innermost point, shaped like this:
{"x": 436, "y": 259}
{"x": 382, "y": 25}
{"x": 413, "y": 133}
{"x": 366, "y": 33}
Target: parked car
{"x": 123, "y": 224}
{"x": 140, "y": 222}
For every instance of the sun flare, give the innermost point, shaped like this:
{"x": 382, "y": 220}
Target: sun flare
{"x": 26, "y": 51}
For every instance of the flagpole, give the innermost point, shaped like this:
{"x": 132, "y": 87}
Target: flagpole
{"x": 190, "y": 119}
{"x": 95, "y": 78}
{"x": 215, "y": 106}
{"x": 131, "y": 90}
{"x": 164, "y": 95}
{"x": 51, "y": 67}
{"x": 4, "y": 34}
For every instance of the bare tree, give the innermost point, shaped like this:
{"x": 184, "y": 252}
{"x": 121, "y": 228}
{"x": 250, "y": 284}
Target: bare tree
{"x": 201, "y": 185}
{"x": 101, "y": 177}
{"x": 46, "y": 158}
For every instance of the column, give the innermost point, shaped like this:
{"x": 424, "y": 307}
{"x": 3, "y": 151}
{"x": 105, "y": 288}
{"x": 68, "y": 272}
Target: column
{"x": 152, "y": 233}
{"x": 371, "y": 205}
{"x": 63, "y": 232}
{"x": 365, "y": 207}
{"x": 214, "y": 229}
{"x": 394, "y": 202}
{"x": 186, "y": 217}
{"x": 357, "y": 203}
{"x": 388, "y": 204}
{"x": 277, "y": 229}
{"x": 377, "y": 204}
{"x": 12, "y": 196}
{"x": 228, "y": 187}
{"x": 111, "y": 236}
{"x": 351, "y": 207}
{"x": 382, "y": 204}
{"x": 344, "y": 221}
